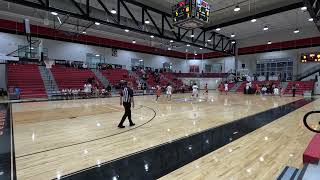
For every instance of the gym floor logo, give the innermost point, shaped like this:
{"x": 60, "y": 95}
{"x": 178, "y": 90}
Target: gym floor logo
{"x": 312, "y": 127}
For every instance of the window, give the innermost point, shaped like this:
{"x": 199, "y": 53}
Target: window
{"x": 194, "y": 69}
{"x": 275, "y": 67}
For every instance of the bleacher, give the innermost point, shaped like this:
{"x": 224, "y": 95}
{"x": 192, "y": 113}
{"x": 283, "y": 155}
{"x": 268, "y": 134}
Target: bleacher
{"x": 170, "y": 78}
{"x": 254, "y": 83}
{"x": 27, "y": 77}
{"x": 71, "y": 78}
{"x": 114, "y": 76}
{"x": 151, "y": 80}
{"x": 301, "y": 87}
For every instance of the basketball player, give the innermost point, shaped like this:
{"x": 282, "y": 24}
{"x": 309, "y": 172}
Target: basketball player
{"x": 126, "y": 98}
{"x": 205, "y": 89}
{"x": 158, "y": 92}
{"x": 226, "y": 88}
{"x": 195, "y": 91}
{"x": 169, "y": 92}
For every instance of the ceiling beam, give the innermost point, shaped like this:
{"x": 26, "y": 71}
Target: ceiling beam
{"x": 83, "y": 16}
{"x": 256, "y": 16}
{"x": 314, "y": 10}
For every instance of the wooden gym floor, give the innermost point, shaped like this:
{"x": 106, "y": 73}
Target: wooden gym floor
{"x": 60, "y": 137}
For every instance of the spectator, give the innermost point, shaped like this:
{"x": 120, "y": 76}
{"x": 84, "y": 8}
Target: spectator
{"x": 294, "y": 88}
{"x": 17, "y": 92}
{"x": 264, "y": 90}
{"x": 276, "y": 91}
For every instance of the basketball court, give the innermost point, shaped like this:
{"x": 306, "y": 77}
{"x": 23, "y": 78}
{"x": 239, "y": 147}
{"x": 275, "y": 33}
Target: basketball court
{"x": 55, "y": 139}
{"x": 159, "y": 89}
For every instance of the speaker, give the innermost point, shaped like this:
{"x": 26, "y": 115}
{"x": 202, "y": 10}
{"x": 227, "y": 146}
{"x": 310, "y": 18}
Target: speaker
{"x": 26, "y": 26}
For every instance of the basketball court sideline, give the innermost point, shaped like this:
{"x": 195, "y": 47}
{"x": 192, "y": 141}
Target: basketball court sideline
{"x": 64, "y": 145}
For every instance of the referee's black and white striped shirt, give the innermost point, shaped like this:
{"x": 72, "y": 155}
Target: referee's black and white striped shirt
{"x": 127, "y": 95}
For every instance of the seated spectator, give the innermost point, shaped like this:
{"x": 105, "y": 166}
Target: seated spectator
{"x": 17, "y": 92}
{"x": 264, "y": 90}
{"x": 84, "y": 66}
{"x": 87, "y": 89}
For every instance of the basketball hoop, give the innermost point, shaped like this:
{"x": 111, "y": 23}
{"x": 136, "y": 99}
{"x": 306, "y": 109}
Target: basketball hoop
{"x": 49, "y": 63}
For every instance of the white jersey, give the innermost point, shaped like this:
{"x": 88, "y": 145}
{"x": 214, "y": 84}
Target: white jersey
{"x": 169, "y": 90}
{"x": 226, "y": 87}
{"x": 276, "y": 91}
{"x": 195, "y": 89}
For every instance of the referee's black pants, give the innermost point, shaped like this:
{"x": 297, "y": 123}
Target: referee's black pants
{"x": 127, "y": 113}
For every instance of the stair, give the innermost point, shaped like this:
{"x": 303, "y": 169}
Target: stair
{"x": 102, "y": 79}
{"x": 235, "y": 87}
{"x": 48, "y": 81}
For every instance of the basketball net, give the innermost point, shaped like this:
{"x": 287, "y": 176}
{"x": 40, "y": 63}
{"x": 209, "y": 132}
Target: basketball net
{"x": 49, "y": 63}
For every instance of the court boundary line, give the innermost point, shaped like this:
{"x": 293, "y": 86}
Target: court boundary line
{"x": 104, "y": 137}
{"x": 169, "y": 142}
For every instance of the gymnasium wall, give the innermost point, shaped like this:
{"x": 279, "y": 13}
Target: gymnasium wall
{"x": 295, "y": 54}
{"x": 74, "y": 51}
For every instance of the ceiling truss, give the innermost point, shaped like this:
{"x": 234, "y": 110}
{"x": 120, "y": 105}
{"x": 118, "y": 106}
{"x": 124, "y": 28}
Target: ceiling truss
{"x": 224, "y": 44}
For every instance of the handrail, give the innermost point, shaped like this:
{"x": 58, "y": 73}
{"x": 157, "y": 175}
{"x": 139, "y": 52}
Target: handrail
{"x": 305, "y": 121}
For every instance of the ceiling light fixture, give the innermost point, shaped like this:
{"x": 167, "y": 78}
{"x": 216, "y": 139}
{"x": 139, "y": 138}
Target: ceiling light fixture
{"x": 133, "y": 41}
{"x": 188, "y": 45}
{"x": 265, "y": 28}
{"x": 84, "y": 32}
{"x": 192, "y": 35}
{"x": 310, "y": 19}
{"x": 209, "y": 40}
{"x": 233, "y": 35}
{"x": 237, "y": 8}
{"x": 97, "y": 23}
{"x": 269, "y": 42}
{"x": 200, "y": 48}
{"x": 195, "y": 54}
{"x": 218, "y": 29}
{"x": 304, "y": 8}
{"x": 233, "y": 42}
{"x": 54, "y": 13}
{"x": 253, "y": 20}
{"x": 126, "y": 30}
{"x": 147, "y": 21}
{"x": 296, "y": 31}
{"x": 97, "y": 55}
{"x": 169, "y": 48}
{"x": 171, "y": 41}
{"x": 113, "y": 11}
{"x": 152, "y": 36}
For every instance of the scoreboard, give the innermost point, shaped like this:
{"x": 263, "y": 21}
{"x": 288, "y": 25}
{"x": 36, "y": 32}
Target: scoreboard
{"x": 310, "y": 57}
{"x": 190, "y": 14}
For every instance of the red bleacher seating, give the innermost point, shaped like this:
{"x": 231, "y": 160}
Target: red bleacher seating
{"x": 170, "y": 77}
{"x": 73, "y": 78}
{"x": 27, "y": 77}
{"x": 114, "y": 76}
{"x": 301, "y": 87}
{"x": 254, "y": 83}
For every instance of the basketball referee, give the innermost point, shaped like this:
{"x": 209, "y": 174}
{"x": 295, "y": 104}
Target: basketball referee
{"x": 126, "y": 98}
